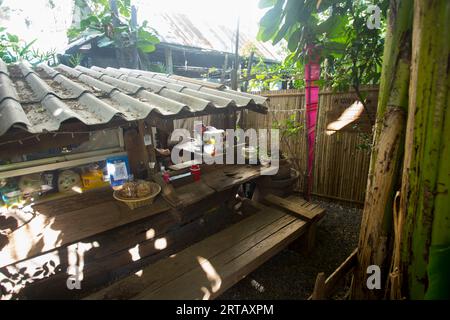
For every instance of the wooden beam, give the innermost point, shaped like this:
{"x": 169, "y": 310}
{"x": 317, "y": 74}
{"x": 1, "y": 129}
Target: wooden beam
{"x": 319, "y": 287}
{"x": 43, "y": 142}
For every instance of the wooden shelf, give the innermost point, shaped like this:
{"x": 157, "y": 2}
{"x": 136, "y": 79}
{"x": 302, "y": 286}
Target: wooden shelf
{"x": 55, "y": 163}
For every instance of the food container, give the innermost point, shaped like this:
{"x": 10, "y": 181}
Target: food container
{"x": 93, "y": 179}
{"x": 134, "y": 203}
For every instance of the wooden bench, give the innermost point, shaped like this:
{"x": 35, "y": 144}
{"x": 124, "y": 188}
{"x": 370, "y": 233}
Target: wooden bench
{"x": 211, "y": 266}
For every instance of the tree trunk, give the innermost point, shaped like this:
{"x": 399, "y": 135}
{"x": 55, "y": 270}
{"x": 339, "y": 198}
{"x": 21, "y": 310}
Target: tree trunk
{"x": 425, "y": 199}
{"x": 387, "y": 154}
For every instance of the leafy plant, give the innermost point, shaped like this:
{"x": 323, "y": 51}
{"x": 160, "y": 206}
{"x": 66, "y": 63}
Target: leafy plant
{"x": 333, "y": 30}
{"x": 12, "y": 49}
{"x": 76, "y": 59}
{"x": 263, "y": 75}
{"x": 288, "y": 128}
{"x": 118, "y": 31}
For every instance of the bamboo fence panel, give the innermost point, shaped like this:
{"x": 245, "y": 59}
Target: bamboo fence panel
{"x": 341, "y": 167}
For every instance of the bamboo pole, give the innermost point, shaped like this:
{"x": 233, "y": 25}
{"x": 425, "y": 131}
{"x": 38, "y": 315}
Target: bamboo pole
{"x": 376, "y": 232}
{"x": 425, "y": 199}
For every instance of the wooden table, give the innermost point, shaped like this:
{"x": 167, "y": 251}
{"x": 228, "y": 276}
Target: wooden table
{"x": 56, "y": 223}
{"x": 215, "y": 180}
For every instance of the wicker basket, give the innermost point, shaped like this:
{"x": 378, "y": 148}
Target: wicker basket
{"x": 134, "y": 203}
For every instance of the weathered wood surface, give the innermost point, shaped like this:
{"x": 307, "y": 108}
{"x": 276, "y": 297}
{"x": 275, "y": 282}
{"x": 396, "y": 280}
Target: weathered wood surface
{"x": 305, "y": 210}
{"x": 106, "y": 238}
{"x": 230, "y": 176}
{"x": 209, "y": 267}
{"x": 76, "y": 218}
{"x": 327, "y": 287}
{"x": 117, "y": 252}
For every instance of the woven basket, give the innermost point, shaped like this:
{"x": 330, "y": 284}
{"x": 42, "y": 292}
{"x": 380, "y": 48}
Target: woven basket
{"x": 134, "y": 203}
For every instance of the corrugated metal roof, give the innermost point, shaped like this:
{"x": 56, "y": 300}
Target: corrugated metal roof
{"x": 181, "y": 29}
{"x": 40, "y": 99}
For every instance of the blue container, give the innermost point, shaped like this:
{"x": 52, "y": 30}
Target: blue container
{"x": 118, "y": 170}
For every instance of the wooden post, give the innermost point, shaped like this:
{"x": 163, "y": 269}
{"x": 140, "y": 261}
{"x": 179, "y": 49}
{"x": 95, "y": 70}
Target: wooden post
{"x": 234, "y": 75}
{"x": 224, "y": 69}
{"x": 249, "y": 70}
{"x": 152, "y": 151}
{"x": 319, "y": 287}
{"x": 387, "y": 153}
{"x": 169, "y": 60}
{"x": 135, "y": 147}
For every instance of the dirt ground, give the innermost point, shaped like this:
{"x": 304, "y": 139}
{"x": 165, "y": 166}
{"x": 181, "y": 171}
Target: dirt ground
{"x": 291, "y": 274}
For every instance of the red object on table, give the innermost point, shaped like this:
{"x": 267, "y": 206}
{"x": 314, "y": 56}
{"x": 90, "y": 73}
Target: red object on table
{"x": 166, "y": 176}
{"x": 195, "y": 171}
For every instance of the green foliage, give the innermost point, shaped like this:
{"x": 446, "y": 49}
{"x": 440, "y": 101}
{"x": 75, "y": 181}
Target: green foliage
{"x": 13, "y": 49}
{"x": 99, "y": 22}
{"x": 289, "y": 127}
{"x": 350, "y": 53}
{"x": 263, "y": 75}
{"x": 75, "y": 59}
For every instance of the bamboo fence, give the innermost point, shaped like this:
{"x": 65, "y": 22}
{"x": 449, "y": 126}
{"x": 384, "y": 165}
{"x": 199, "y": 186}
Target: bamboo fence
{"x": 341, "y": 164}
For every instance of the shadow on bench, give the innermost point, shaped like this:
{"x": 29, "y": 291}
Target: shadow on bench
{"x": 209, "y": 267}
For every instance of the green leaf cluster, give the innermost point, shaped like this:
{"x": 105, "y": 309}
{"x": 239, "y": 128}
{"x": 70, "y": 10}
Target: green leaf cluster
{"x": 350, "y": 53}
{"x": 99, "y": 22}
{"x": 13, "y": 49}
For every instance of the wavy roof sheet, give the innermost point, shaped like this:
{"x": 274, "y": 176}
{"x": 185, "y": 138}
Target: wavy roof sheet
{"x": 41, "y": 99}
